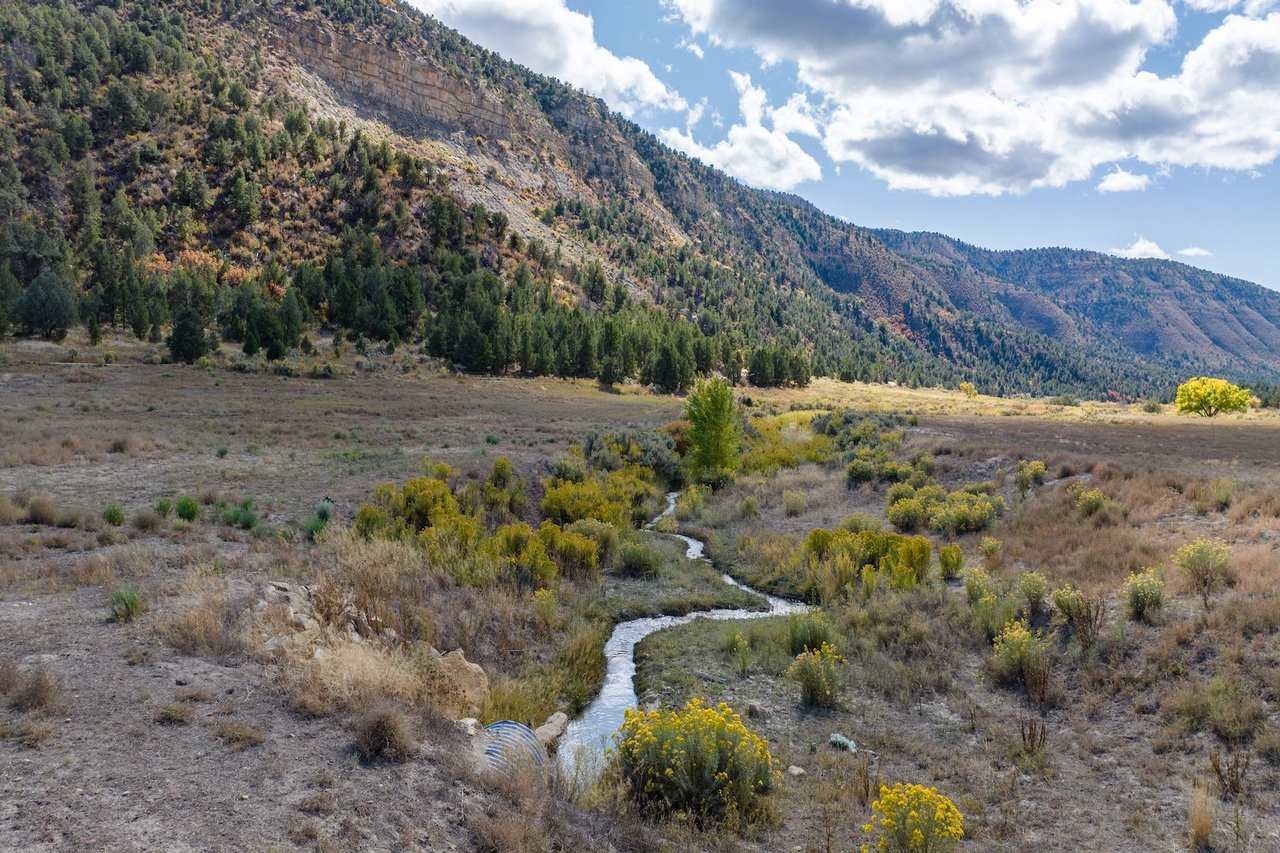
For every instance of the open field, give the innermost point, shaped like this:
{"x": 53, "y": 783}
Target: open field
{"x": 1130, "y": 727}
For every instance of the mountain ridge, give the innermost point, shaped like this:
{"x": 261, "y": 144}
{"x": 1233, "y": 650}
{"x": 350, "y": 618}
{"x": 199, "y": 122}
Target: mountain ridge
{"x": 746, "y": 270}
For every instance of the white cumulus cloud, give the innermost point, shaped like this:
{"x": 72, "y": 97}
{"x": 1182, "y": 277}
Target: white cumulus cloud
{"x": 956, "y": 97}
{"x": 1195, "y": 252}
{"x": 758, "y": 150}
{"x": 1120, "y": 181}
{"x": 1142, "y": 248}
{"x": 550, "y": 38}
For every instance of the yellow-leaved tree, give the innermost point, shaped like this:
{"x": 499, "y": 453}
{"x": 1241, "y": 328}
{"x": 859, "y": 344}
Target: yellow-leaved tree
{"x": 1207, "y": 396}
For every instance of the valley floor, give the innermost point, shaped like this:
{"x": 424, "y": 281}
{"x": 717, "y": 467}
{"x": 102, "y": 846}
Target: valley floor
{"x": 106, "y": 763}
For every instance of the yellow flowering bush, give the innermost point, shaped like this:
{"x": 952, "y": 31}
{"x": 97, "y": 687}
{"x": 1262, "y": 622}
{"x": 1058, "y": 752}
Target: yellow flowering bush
{"x": 913, "y": 819}
{"x": 820, "y": 672}
{"x": 1015, "y": 649}
{"x": 698, "y": 761}
{"x": 1143, "y": 593}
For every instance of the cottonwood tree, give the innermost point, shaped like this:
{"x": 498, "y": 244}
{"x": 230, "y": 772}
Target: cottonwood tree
{"x": 714, "y": 432}
{"x": 1209, "y": 397}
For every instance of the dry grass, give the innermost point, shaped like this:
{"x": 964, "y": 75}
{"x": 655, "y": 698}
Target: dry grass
{"x": 319, "y": 803}
{"x": 193, "y": 694}
{"x": 42, "y": 510}
{"x": 352, "y": 676}
{"x": 238, "y": 735}
{"x": 207, "y": 620}
{"x": 28, "y": 733}
{"x": 9, "y": 675}
{"x": 174, "y": 715}
{"x": 38, "y": 690}
{"x": 10, "y": 512}
{"x": 1094, "y": 554}
{"x": 383, "y": 732}
{"x": 1202, "y": 814}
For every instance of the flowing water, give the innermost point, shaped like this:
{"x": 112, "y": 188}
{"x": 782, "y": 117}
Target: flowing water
{"x": 585, "y": 740}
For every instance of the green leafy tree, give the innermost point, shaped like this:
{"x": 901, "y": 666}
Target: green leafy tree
{"x": 187, "y": 341}
{"x": 714, "y": 432}
{"x": 48, "y": 307}
{"x": 9, "y": 292}
{"x": 1209, "y": 397}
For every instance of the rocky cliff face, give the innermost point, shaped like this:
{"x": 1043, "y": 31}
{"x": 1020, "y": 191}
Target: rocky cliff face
{"x": 411, "y": 86}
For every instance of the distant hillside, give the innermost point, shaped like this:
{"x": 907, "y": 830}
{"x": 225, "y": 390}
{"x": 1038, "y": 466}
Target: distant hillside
{"x": 256, "y": 168}
{"x": 1167, "y": 311}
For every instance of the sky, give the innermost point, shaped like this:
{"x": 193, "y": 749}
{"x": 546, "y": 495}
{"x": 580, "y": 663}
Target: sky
{"x": 1144, "y": 128}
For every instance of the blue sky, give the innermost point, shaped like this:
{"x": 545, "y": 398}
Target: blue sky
{"x": 1141, "y": 127}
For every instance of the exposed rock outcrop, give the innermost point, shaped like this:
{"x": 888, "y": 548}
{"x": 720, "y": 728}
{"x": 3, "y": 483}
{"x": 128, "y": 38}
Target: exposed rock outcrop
{"x": 413, "y": 86}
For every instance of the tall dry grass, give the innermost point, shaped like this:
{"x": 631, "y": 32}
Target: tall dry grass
{"x": 207, "y": 620}
{"x": 1202, "y": 814}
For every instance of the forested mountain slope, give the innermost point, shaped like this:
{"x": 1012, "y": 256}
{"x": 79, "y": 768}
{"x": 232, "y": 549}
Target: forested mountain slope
{"x": 250, "y": 169}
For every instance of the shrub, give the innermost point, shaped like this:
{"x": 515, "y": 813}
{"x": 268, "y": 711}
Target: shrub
{"x": 809, "y": 631}
{"x": 992, "y": 613}
{"x": 604, "y": 535}
{"x": 41, "y": 510}
{"x": 112, "y": 514}
{"x": 914, "y": 819}
{"x": 1223, "y": 704}
{"x": 242, "y": 515}
{"x": 324, "y": 511}
{"x": 699, "y": 761}
{"x": 892, "y": 471}
{"x": 126, "y": 604}
{"x": 794, "y": 503}
{"x": 1034, "y": 588}
{"x": 861, "y": 522}
{"x": 976, "y": 584}
{"x": 568, "y": 502}
{"x": 1143, "y": 593}
{"x": 636, "y": 559}
{"x": 749, "y": 508}
{"x": 1069, "y": 602}
{"x": 740, "y": 649}
{"x": 691, "y": 502}
{"x": 1027, "y": 474}
{"x": 1153, "y": 407}
{"x": 858, "y": 472}
{"x": 1213, "y": 496}
{"x": 1016, "y": 652}
{"x": 950, "y": 561}
{"x": 148, "y": 521}
{"x": 383, "y": 732}
{"x": 992, "y": 550}
{"x": 1090, "y": 502}
{"x": 1204, "y": 564}
{"x": 313, "y": 527}
{"x": 188, "y": 508}
{"x": 820, "y": 673}
{"x": 963, "y": 512}
{"x": 164, "y": 507}
{"x": 908, "y": 515}
{"x": 577, "y": 555}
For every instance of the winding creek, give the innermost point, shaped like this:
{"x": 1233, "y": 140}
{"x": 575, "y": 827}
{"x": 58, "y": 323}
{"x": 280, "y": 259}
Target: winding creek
{"x": 585, "y": 740}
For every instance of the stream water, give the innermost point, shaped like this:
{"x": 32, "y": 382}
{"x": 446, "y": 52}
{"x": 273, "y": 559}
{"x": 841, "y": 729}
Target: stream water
{"x": 585, "y": 740}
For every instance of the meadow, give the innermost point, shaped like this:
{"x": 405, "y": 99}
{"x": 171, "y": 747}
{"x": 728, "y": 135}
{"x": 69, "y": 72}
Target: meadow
{"x": 199, "y": 566}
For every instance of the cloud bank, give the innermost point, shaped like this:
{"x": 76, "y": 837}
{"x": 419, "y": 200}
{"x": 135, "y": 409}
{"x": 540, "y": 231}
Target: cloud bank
{"x": 960, "y": 97}
{"x": 550, "y": 38}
